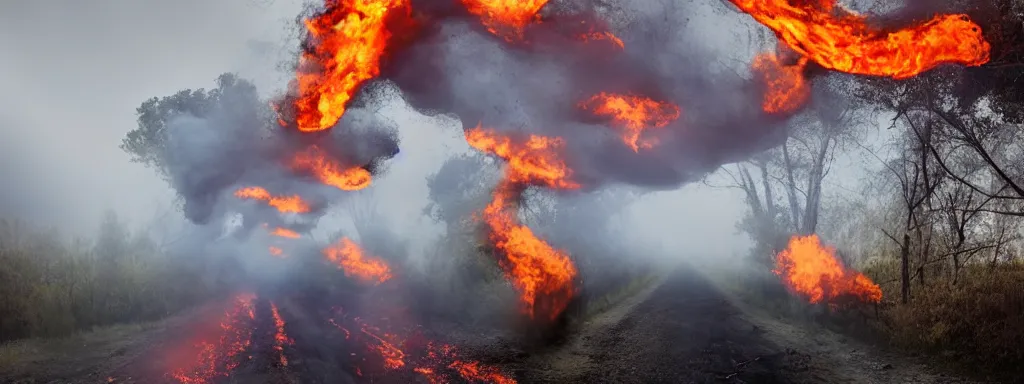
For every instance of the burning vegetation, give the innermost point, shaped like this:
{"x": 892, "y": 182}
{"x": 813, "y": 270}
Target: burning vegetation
{"x": 812, "y": 270}
{"x": 544, "y": 275}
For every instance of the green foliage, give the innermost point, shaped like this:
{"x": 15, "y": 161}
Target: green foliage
{"x": 51, "y": 289}
{"x": 146, "y": 143}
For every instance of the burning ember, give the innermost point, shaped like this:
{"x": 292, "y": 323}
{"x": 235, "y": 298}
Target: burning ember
{"x": 394, "y": 357}
{"x": 219, "y": 357}
{"x": 317, "y": 163}
{"x": 354, "y": 261}
{"x": 603, "y": 36}
{"x": 345, "y": 45}
{"x": 841, "y": 40}
{"x": 276, "y": 252}
{"x": 284, "y": 204}
{"x": 445, "y": 356}
{"x": 812, "y": 270}
{"x": 633, "y": 114}
{"x": 436, "y": 364}
{"x": 280, "y": 337}
{"x": 535, "y": 268}
{"x": 786, "y": 88}
{"x": 475, "y": 371}
{"x": 506, "y": 18}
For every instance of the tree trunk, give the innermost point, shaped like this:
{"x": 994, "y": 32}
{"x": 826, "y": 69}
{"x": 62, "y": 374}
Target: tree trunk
{"x": 794, "y": 206}
{"x": 814, "y": 178}
{"x": 905, "y": 268}
{"x": 956, "y": 267}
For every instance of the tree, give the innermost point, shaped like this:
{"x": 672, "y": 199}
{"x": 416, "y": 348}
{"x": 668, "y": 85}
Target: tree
{"x": 797, "y": 168}
{"x": 146, "y": 144}
{"x": 112, "y": 241}
{"x": 459, "y": 188}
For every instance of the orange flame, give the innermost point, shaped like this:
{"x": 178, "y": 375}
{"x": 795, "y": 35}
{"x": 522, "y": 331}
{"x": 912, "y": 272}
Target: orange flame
{"x": 220, "y": 357}
{"x": 534, "y": 267}
{"x": 506, "y": 18}
{"x": 531, "y": 162}
{"x": 841, "y": 40}
{"x": 316, "y": 162}
{"x": 786, "y": 87}
{"x": 280, "y": 337}
{"x": 348, "y": 40}
{"x": 633, "y": 114}
{"x": 353, "y": 260}
{"x": 286, "y": 233}
{"x": 812, "y": 270}
{"x": 284, "y": 204}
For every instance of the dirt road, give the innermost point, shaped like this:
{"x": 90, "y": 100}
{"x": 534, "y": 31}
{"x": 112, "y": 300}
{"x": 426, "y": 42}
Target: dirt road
{"x": 680, "y": 330}
{"x": 685, "y": 330}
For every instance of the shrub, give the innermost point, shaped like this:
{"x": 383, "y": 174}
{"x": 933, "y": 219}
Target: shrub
{"x": 979, "y": 321}
{"x": 50, "y": 288}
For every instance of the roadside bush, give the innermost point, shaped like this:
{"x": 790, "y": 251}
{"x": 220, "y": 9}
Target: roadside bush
{"x": 51, "y": 288}
{"x": 979, "y": 321}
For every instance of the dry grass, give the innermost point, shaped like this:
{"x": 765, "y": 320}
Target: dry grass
{"x": 979, "y": 322}
{"x": 50, "y": 288}
{"x": 976, "y": 325}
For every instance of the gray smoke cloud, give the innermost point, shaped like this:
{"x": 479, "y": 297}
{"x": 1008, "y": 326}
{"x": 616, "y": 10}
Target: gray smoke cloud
{"x": 455, "y": 67}
{"x": 459, "y": 68}
{"x": 237, "y": 144}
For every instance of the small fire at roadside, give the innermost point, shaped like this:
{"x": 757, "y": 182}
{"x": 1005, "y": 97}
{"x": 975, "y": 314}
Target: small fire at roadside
{"x": 354, "y": 261}
{"x": 284, "y": 204}
{"x": 633, "y": 114}
{"x": 812, "y": 270}
{"x": 536, "y": 269}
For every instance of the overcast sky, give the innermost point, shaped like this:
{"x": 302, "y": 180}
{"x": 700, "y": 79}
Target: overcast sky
{"x": 73, "y": 72}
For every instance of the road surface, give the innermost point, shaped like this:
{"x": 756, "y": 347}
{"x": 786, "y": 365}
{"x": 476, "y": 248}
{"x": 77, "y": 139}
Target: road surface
{"x": 682, "y": 329}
